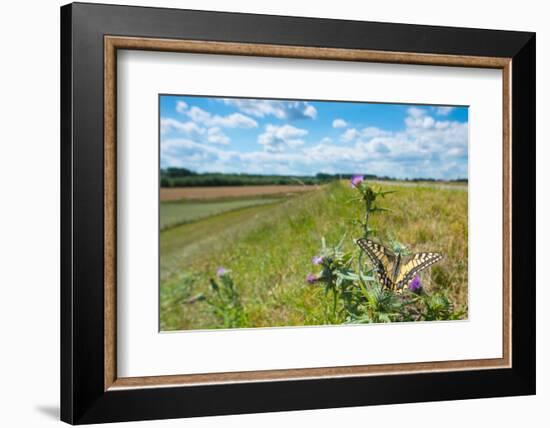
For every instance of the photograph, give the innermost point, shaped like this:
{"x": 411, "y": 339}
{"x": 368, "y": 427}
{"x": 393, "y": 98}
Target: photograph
{"x": 285, "y": 213}
{"x": 263, "y": 211}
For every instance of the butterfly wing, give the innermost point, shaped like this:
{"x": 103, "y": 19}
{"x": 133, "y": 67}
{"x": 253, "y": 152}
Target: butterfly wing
{"x": 382, "y": 259}
{"x": 415, "y": 265}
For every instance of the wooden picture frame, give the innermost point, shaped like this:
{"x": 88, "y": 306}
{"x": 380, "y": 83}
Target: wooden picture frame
{"x": 91, "y": 390}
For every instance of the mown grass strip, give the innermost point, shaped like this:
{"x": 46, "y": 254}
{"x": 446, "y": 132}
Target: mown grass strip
{"x": 177, "y": 213}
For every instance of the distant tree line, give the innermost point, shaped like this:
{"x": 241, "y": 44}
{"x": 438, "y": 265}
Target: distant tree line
{"x": 183, "y": 177}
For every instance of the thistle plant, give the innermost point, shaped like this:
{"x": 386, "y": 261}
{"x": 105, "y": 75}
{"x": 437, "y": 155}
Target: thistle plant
{"x": 367, "y": 195}
{"x": 338, "y": 280}
{"x": 224, "y": 300}
{"x": 356, "y": 296}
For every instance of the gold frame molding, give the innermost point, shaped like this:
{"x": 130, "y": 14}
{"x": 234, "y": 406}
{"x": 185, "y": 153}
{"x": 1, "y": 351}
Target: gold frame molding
{"x": 113, "y": 43}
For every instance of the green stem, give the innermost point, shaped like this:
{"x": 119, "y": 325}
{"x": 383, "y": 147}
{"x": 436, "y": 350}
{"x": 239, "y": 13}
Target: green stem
{"x": 360, "y": 268}
{"x": 367, "y": 210}
{"x": 334, "y": 304}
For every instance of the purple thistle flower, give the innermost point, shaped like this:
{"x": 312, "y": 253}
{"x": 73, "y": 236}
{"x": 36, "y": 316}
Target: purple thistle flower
{"x": 221, "y": 272}
{"x": 317, "y": 260}
{"x": 415, "y": 286}
{"x": 311, "y": 278}
{"x": 355, "y": 180}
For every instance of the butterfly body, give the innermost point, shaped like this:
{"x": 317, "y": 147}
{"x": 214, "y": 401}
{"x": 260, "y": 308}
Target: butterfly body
{"x": 395, "y": 271}
{"x": 395, "y": 268}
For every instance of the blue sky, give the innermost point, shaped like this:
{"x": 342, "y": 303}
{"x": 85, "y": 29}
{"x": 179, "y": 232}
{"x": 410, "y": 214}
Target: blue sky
{"x": 265, "y": 136}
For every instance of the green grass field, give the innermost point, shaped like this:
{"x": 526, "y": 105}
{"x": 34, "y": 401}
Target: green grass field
{"x": 175, "y": 213}
{"x": 268, "y": 248}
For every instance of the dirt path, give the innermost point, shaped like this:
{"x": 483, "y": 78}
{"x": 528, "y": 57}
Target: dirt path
{"x": 177, "y": 193}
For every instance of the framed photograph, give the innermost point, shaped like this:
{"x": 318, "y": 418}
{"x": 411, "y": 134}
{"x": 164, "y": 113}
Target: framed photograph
{"x": 265, "y": 213}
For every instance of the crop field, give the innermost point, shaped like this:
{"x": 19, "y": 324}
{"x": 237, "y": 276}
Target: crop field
{"x": 179, "y": 193}
{"x": 267, "y": 243}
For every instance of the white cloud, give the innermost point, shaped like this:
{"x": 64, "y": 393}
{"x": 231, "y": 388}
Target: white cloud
{"x": 279, "y": 108}
{"x": 372, "y": 132}
{"x": 277, "y": 138}
{"x": 350, "y": 135}
{"x": 188, "y": 153}
{"x": 215, "y": 135}
{"x": 443, "y": 110}
{"x": 420, "y": 121}
{"x": 181, "y": 106}
{"x": 235, "y": 120}
{"x": 339, "y": 123}
{"x": 416, "y": 112}
{"x": 457, "y": 151}
{"x": 258, "y": 108}
{"x": 168, "y": 124}
{"x": 310, "y": 111}
{"x": 198, "y": 114}
{"x": 381, "y": 148}
{"x": 192, "y": 130}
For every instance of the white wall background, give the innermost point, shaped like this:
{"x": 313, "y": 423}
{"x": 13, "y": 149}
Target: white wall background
{"x": 29, "y": 218}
